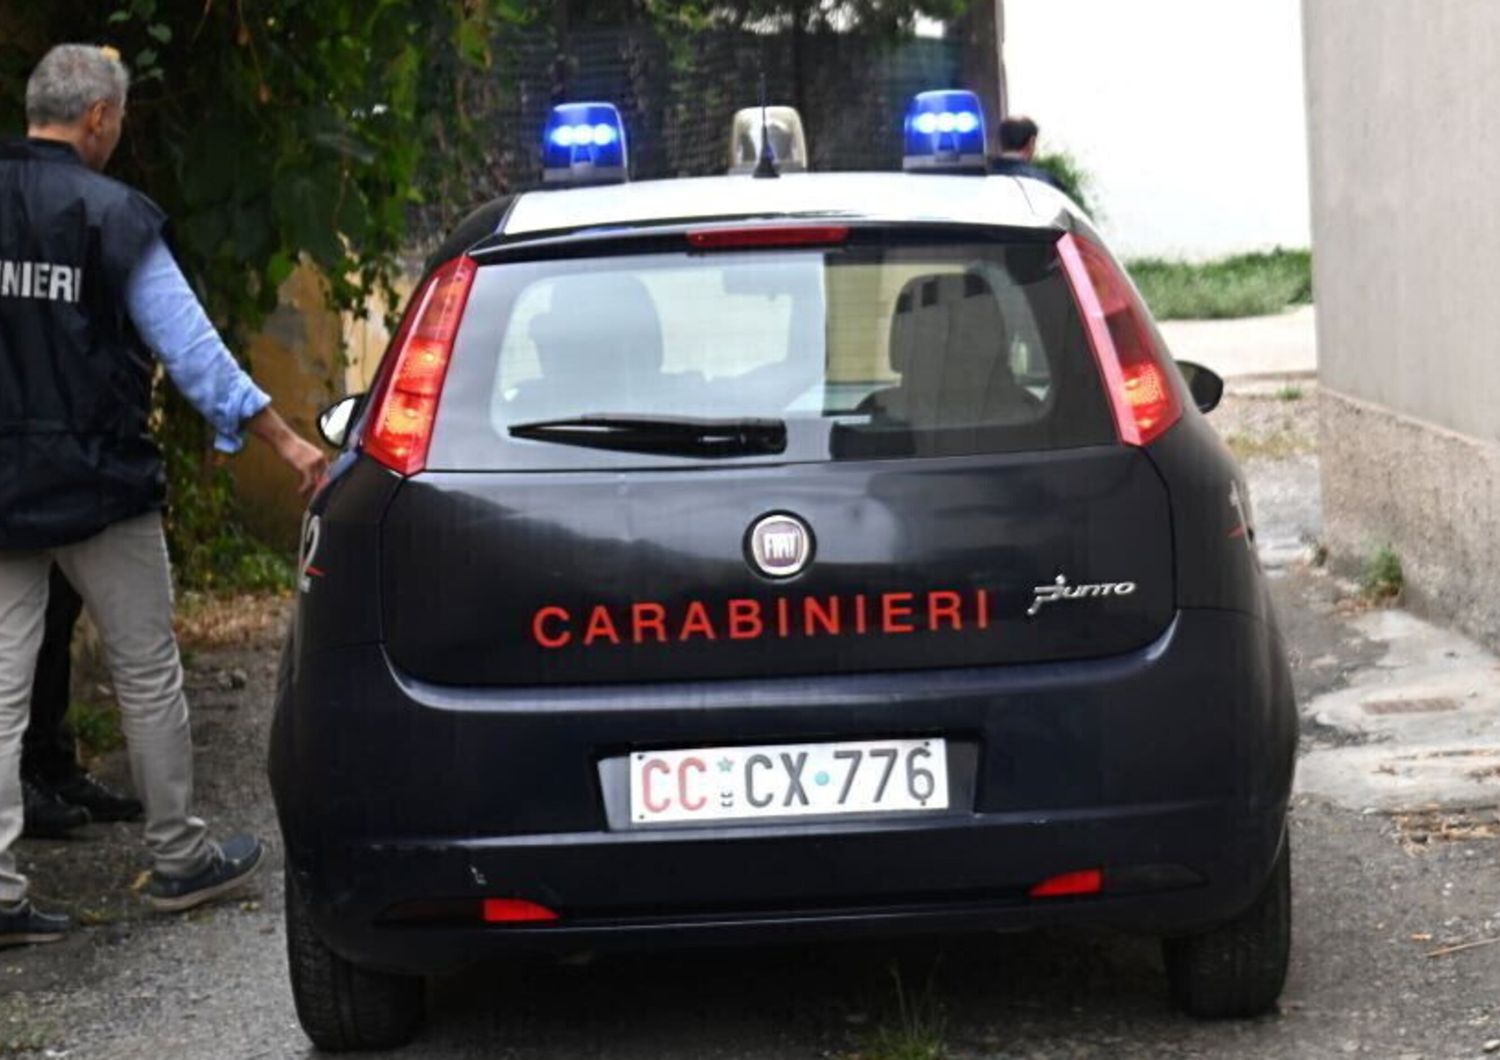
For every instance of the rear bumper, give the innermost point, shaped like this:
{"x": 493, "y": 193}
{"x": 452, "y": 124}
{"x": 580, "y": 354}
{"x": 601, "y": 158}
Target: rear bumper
{"x": 1168, "y": 768}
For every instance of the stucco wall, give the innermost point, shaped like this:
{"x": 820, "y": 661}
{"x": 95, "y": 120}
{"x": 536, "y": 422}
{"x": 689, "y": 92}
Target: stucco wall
{"x": 1405, "y": 158}
{"x": 1405, "y": 154}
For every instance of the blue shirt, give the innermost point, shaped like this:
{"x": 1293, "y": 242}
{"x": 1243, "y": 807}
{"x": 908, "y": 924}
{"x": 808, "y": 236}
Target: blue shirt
{"x": 171, "y": 320}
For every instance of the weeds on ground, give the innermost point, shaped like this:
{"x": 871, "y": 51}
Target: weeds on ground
{"x": 1382, "y": 578}
{"x": 97, "y": 727}
{"x": 216, "y": 620}
{"x": 1245, "y": 285}
{"x": 1276, "y": 446}
{"x": 1290, "y": 392}
{"x": 914, "y": 1031}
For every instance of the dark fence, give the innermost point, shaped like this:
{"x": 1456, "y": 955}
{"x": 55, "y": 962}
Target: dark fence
{"x": 678, "y": 95}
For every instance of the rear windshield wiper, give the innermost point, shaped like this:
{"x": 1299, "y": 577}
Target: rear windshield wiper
{"x": 675, "y": 435}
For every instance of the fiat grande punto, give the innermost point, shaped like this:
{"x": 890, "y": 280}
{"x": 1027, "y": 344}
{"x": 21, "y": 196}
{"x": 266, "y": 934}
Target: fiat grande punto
{"x": 732, "y": 559}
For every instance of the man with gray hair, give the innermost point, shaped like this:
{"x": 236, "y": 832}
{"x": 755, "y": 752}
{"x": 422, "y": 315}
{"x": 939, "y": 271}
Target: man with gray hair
{"x": 88, "y": 292}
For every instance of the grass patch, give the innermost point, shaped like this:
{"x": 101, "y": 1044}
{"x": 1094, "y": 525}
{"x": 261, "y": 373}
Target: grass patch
{"x": 96, "y": 726}
{"x": 1290, "y": 392}
{"x": 1382, "y": 578}
{"x": 1245, "y": 285}
{"x": 913, "y": 1031}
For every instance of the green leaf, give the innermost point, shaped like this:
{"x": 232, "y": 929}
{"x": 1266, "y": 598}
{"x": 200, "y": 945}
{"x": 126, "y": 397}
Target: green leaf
{"x": 117, "y": 17}
{"x": 145, "y": 58}
{"x": 162, "y": 33}
{"x": 279, "y": 268}
{"x": 305, "y": 203}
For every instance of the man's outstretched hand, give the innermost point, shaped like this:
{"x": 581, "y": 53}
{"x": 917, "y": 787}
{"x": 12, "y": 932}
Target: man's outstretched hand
{"x": 307, "y": 460}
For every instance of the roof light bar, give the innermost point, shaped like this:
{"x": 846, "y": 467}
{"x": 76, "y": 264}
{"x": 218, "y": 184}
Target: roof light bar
{"x": 584, "y": 143}
{"x": 788, "y": 141}
{"x": 945, "y": 133}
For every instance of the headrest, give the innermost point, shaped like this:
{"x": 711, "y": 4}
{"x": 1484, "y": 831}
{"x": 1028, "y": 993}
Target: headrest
{"x": 929, "y": 308}
{"x": 604, "y": 319}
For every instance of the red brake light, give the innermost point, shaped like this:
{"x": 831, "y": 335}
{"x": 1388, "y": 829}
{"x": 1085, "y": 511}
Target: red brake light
{"x": 1134, "y": 364}
{"x": 1087, "y": 881}
{"x": 406, "y": 401}
{"x": 515, "y": 911}
{"x": 767, "y": 236}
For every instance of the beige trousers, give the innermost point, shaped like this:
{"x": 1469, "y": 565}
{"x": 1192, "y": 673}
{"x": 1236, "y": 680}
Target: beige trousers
{"x": 124, "y": 578}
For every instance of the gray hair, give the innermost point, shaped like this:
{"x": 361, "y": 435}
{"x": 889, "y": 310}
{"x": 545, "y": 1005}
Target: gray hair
{"x": 70, "y": 79}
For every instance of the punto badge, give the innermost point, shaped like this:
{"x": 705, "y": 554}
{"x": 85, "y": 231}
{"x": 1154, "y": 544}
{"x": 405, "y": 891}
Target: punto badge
{"x": 779, "y": 545}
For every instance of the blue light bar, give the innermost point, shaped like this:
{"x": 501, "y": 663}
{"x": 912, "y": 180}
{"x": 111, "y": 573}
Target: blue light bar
{"x": 584, "y": 143}
{"x": 945, "y": 133}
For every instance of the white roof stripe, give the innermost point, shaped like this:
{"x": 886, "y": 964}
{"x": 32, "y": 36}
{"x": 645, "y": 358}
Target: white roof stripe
{"x": 866, "y": 196}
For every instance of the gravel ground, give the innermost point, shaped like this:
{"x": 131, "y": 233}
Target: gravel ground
{"x": 1371, "y": 905}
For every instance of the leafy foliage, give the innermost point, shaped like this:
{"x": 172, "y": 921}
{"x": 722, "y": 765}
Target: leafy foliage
{"x": 1075, "y": 180}
{"x": 271, "y": 133}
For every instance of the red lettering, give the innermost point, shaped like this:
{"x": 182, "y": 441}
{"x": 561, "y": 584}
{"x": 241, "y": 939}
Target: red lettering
{"x": 695, "y": 764}
{"x": 941, "y": 605}
{"x": 783, "y": 617}
{"x": 646, "y": 618}
{"x": 539, "y": 627}
{"x": 860, "y": 623}
{"x": 820, "y": 613}
{"x": 601, "y": 626}
{"x": 984, "y": 608}
{"x": 696, "y": 623}
{"x": 894, "y": 607}
{"x": 745, "y": 622}
{"x": 656, "y": 765}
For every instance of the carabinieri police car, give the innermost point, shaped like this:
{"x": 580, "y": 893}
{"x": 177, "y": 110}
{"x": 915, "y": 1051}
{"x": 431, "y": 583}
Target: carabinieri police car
{"x": 777, "y": 555}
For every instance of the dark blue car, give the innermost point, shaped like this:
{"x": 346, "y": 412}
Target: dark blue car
{"x": 731, "y": 559}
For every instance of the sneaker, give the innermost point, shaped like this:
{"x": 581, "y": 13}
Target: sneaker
{"x": 102, "y": 802}
{"x": 232, "y": 866}
{"x": 47, "y": 816}
{"x": 21, "y": 925}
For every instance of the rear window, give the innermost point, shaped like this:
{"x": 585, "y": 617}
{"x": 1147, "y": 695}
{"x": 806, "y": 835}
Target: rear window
{"x": 863, "y": 351}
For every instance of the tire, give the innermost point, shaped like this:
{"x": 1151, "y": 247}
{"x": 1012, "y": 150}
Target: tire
{"x": 343, "y": 1007}
{"x": 1237, "y": 969}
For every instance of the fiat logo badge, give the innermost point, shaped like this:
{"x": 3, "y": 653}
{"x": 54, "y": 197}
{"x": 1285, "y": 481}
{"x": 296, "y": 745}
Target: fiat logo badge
{"x": 779, "y": 545}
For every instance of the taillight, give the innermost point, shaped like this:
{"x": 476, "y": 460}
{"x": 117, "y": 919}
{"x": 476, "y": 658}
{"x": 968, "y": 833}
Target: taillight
{"x": 1085, "y": 881}
{"x": 515, "y": 911}
{"x": 1135, "y": 367}
{"x": 405, "y": 403}
{"x": 767, "y": 236}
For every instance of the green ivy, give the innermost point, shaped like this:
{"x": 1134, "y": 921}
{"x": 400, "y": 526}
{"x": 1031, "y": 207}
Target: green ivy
{"x": 271, "y": 132}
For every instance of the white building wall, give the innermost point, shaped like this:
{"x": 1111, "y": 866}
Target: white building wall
{"x": 1406, "y": 223}
{"x": 1189, "y": 114}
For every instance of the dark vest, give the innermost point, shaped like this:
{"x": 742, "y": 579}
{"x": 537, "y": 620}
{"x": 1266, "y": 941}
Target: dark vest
{"x": 76, "y": 452}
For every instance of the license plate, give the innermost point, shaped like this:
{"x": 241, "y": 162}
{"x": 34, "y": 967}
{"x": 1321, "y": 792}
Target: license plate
{"x": 788, "y": 780}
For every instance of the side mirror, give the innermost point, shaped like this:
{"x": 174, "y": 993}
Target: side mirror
{"x": 1205, "y": 385}
{"x": 334, "y": 421}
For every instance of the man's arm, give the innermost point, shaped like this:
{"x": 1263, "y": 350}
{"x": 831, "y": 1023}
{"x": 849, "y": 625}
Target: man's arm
{"x": 170, "y": 319}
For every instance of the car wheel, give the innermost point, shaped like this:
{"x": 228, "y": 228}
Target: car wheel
{"x": 343, "y": 1007}
{"x": 1238, "y": 968}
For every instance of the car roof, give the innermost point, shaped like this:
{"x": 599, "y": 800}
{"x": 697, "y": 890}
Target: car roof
{"x": 891, "y": 197}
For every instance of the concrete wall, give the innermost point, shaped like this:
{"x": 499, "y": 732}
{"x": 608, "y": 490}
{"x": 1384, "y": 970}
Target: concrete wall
{"x": 1404, "y": 150}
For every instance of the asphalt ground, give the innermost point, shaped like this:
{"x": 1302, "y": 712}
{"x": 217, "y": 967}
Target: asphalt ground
{"x": 1376, "y": 896}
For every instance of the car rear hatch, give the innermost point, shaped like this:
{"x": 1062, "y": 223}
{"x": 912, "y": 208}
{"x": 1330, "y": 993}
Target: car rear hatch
{"x": 772, "y": 451}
